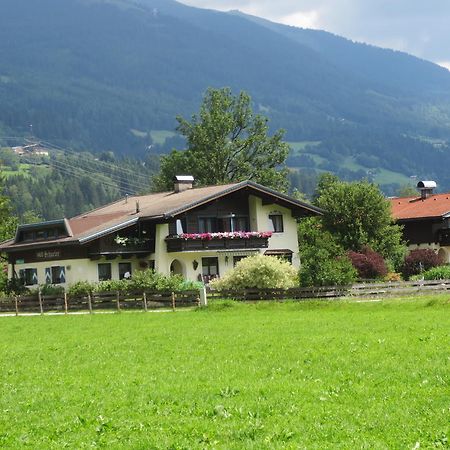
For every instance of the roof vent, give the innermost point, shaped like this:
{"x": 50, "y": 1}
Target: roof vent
{"x": 426, "y": 188}
{"x": 183, "y": 182}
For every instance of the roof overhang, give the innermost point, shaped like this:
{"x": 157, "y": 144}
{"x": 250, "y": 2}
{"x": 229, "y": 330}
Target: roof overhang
{"x": 112, "y": 229}
{"x": 257, "y": 188}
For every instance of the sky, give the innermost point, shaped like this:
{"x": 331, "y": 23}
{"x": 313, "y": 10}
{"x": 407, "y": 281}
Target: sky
{"x": 418, "y": 27}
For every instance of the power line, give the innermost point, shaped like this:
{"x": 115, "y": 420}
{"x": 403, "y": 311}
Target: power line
{"x": 135, "y": 188}
{"x": 72, "y": 172}
{"x": 118, "y": 174}
{"x": 113, "y": 177}
{"x": 98, "y": 162}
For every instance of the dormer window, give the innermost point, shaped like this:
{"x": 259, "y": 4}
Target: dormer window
{"x": 42, "y": 231}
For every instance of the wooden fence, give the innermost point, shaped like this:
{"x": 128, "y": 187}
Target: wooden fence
{"x": 139, "y": 300}
{"x": 151, "y": 300}
{"x": 400, "y": 288}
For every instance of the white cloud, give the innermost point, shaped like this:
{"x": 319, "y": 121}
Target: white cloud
{"x": 445, "y": 64}
{"x": 303, "y": 19}
{"x": 415, "y": 26}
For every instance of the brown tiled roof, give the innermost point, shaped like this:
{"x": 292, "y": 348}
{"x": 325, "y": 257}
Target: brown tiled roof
{"x": 404, "y": 208}
{"x": 162, "y": 205}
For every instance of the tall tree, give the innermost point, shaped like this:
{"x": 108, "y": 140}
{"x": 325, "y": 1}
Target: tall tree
{"x": 227, "y": 142}
{"x": 358, "y": 215}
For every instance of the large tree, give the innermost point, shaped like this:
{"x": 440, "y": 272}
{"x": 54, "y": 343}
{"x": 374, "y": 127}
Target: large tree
{"x": 358, "y": 215}
{"x": 227, "y": 142}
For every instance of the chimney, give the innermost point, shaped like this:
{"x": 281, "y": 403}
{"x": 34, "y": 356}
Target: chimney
{"x": 426, "y": 188}
{"x": 183, "y": 182}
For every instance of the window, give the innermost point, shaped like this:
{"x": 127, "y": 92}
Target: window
{"x": 124, "y": 271}
{"x": 55, "y": 275}
{"x": 210, "y": 268}
{"x": 207, "y": 225}
{"x": 104, "y": 271}
{"x": 222, "y": 224}
{"x": 276, "y": 223}
{"x": 233, "y": 223}
{"x": 28, "y": 277}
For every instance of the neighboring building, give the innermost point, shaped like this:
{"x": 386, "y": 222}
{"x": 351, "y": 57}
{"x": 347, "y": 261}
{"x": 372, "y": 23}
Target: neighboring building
{"x": 31, "y": 149}
{"x": 425, "y": 219}
{"x": 197, "y": 232}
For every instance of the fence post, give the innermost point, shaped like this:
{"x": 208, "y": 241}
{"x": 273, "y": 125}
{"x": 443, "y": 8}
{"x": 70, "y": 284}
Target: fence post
{"x": 173, "y": 301}
{"x": 90, "y": 302}
{"x": 144, "y": 297}
{"x": 16, "y": 304}
{"x": 40, "y": 301}
{"x": 118, "y": 301}
{"x": 66, "y": 306}
{"x": 203, "y": 299}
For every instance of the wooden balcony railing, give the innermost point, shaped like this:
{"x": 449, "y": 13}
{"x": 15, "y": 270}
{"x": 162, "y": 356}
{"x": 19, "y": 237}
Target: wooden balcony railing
{"x": 111, "y": 247}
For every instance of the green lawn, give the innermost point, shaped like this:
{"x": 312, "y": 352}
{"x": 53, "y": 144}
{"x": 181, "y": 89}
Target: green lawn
{"x": 317, "y": 375}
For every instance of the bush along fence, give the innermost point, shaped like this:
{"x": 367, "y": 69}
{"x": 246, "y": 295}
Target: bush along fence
{"x": 144, "y": 300}
{"x": 372, "y": 289}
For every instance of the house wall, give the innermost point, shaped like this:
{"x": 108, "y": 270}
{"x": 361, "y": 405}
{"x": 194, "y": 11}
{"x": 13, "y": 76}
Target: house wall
{"x": 79, "y": 267}
{"x": 259, "y": 221}
{"x": 424, "y": 234}
{"x": 83, "y": 269}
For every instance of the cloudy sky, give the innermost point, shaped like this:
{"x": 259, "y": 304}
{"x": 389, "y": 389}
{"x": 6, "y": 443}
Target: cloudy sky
{"x": 419, "y": 27}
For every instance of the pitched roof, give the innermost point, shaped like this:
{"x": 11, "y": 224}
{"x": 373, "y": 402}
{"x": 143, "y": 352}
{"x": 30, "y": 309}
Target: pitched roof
{"x": 409, "y": 208}
{"x": 162, "y": 205}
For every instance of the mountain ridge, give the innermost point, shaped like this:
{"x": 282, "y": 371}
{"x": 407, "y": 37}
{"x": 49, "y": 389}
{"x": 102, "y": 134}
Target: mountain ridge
{"x": 86, "y": 73}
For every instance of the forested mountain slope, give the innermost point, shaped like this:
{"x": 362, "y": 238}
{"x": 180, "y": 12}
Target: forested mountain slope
{"x": 103, "y": 74}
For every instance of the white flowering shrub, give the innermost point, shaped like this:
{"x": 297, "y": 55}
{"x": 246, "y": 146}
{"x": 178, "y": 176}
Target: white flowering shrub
{"x": 258, "y": 271}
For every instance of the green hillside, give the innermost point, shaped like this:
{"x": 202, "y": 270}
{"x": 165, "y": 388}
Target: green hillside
{"x": 112, "y": 75}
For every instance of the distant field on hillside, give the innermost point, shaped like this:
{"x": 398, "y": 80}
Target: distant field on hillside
{"x": 234, "y": 376}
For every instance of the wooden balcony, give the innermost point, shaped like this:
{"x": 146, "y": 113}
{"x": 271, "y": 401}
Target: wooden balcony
{"x": 108, "y": 247}
{"x": 183, "y": 244}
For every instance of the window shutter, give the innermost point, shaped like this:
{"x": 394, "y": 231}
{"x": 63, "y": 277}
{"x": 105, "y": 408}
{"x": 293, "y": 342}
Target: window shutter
{"x": 48, "y": 275}
{"x": 62, "y": 274}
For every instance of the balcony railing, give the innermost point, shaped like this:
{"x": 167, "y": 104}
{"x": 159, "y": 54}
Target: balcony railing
{"x": 128, "y": 246}
{"x": 218, "y": 241}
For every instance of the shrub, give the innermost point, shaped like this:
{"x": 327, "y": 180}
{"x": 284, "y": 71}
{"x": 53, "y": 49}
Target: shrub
{"x": 325, "y": 271}
{"x": 419, "y": 261}
{"x": 437, "y": 273}
{"x": 151, "y": 280}
{"x": 15, "y": 286}
{"x": 144, "y": 279}
{"x": 112, "y": 285}
{"x": 369, "y": 264}
{"x": 81, "y": 288}
{"x": 258, "y": 272}
{"x": 393, "y": 276}
{"x": 48, "y": 289}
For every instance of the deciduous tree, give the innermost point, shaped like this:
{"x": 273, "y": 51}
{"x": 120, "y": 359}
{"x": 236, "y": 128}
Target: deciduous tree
{"x": 227, "y": 142}
{"x": 358, "y": 215}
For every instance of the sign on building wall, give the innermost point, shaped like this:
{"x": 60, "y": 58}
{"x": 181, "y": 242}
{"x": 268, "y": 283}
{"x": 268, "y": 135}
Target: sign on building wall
{"x": 48, "y": 254}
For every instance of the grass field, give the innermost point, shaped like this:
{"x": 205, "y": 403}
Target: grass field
{"x": 234, "y": 376}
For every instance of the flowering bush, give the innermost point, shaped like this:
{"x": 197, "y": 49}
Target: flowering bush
{"x": 368, "y": 263}
{"x": 419, "y": 261}
{"x": 258, "y": 272}
{"x": 226, "y": 235}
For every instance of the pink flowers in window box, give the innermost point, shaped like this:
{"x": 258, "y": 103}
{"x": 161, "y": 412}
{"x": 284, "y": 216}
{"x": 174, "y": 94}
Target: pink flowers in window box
{"x": 226, "y": 235}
